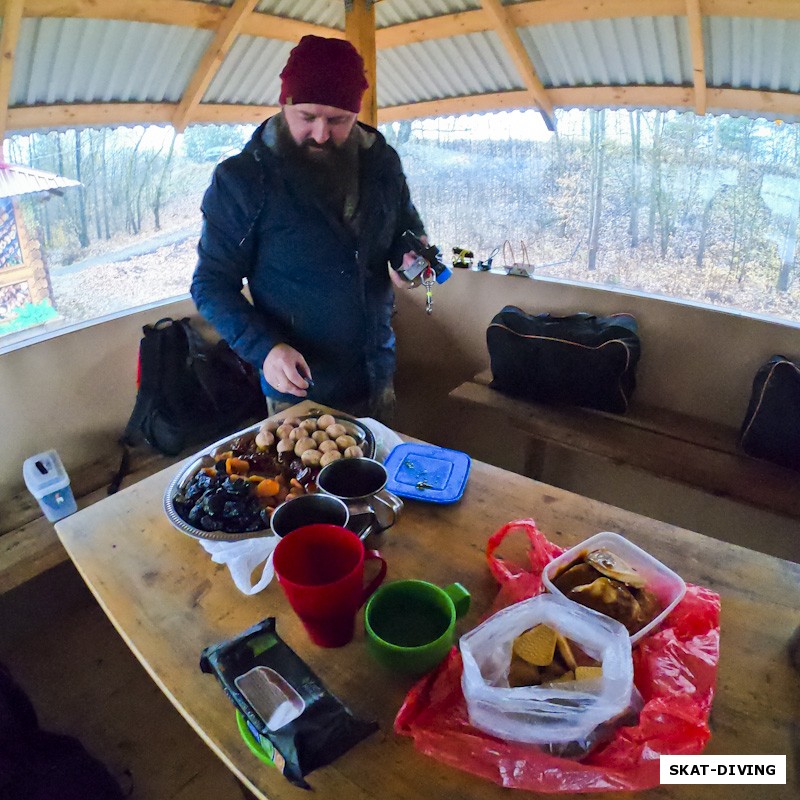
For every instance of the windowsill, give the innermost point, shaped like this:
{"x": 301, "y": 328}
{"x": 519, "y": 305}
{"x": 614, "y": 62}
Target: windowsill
{"x": 50, "y": 330}
{"x": 605, "y": 287}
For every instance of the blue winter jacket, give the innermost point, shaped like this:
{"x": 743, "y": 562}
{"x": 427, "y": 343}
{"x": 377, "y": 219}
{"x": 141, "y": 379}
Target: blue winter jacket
{"x": 315, "y": 284}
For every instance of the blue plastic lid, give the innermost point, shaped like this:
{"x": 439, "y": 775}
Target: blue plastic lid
{"x": 426, "y": 472}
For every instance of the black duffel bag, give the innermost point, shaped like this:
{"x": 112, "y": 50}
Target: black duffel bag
{"x": 771, "y": 427}
{"x": 579, "y": 360}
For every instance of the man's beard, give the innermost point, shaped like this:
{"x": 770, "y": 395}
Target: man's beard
{"x": 313, "y": 150}
{"x": 327, "y": 168}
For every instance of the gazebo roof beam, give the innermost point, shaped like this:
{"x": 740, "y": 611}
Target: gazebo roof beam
{"x": 12, "y": 21}
{"x": 695, "y": 18}
{"x": 212, "y": 60}
{"x": 508, "y": 35}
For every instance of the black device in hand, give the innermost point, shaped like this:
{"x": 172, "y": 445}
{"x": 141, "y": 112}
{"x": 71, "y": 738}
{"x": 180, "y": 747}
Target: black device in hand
{"x": 427, "y": 256}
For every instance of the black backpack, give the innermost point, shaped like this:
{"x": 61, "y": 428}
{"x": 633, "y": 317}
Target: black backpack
{"x": 189, "y": 391}
{"x": 579, "y": 360}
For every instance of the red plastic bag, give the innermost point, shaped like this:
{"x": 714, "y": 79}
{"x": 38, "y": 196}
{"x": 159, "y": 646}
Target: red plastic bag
{"x": 675, "y": 670}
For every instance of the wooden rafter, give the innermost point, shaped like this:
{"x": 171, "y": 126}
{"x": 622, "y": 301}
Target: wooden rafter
{"x": 533, "y": 12}
{"x": 442, "y": 27}
{"x": 747, "y": 100}
{"x": 519, "y": 55}
{"x": 12, "y": 20}
{"x": 212, "y": 60}
{"x": 359, "y": 26}
{"x": 695, "y": 17}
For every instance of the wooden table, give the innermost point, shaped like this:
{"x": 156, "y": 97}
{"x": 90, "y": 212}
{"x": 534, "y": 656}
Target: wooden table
{"x": 168, "y": 600}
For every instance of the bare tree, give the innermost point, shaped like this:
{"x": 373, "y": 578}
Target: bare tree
{"x": 597, "y": 130}
{"x": 162, "y": 181}
{"x": 635, "y": 118}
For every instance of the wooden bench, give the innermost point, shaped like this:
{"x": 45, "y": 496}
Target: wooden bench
{"x": 677, "y": 447}
{"x": 28, "y": 542}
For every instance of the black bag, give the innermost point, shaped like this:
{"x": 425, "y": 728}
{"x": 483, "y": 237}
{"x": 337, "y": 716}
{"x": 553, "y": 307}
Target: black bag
{"x": 39, "y": 765}
{"x": 189, "y": 391}
{"x": 771, "y": 426}
{"x": 579, "y": 360}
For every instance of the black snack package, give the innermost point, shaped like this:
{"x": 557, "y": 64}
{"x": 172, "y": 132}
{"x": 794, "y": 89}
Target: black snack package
{"x": 284, "y": 700}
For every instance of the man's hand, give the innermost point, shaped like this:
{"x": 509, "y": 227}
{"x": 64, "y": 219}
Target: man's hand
{"x": 286, "y": 370}
{"x": 408, "y": 259}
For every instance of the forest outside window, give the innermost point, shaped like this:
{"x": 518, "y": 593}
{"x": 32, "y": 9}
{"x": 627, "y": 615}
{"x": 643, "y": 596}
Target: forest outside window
{"x": 702, "y": 209}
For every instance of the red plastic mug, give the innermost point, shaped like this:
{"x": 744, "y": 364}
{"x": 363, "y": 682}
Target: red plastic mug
{"x": 321, "y": 570}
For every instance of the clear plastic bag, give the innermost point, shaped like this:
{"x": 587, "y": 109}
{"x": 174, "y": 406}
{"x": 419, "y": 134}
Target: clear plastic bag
{"x": 243, "y": 558}
{"x": 550, "y": 714}
{"x": 385, "y": 438}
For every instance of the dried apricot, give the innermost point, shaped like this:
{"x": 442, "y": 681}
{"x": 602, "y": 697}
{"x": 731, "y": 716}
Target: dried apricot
{"x": 268, "y": 488}
{"x": 236, "y": 466}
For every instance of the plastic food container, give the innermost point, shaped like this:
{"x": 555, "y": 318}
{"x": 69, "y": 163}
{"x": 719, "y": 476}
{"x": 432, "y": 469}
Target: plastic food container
{"x": 48, "y": 482}
{"x": 426, "y": 472}
{"x": 667, "y": 585}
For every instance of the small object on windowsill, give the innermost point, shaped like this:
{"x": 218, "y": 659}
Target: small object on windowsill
{"x": 462, "y": 258}
{"x": 485, "y": 266}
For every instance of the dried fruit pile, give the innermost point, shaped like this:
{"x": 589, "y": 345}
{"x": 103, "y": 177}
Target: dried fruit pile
{"x": 248, "y": 482}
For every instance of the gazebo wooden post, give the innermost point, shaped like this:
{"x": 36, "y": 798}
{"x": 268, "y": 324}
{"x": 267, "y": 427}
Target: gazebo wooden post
{"x": 359, "y": 28}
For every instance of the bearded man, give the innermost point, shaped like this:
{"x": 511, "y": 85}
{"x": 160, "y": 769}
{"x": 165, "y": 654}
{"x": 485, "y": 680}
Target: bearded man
{"x": 311, "y": 213}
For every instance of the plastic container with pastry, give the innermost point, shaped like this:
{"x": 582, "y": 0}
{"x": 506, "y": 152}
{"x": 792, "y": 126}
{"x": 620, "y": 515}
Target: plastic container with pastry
{"x": 613, "y": 576}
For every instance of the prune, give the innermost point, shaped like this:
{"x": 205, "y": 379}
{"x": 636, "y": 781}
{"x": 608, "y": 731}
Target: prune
{"x": 196, "y": 513}
{"x": 296, "y": 466}
{"x": 236, "y": 486}
{"x": 234, "y": 509}
{"x": 204, "y": 481}
{"x": 240, "y": 445}
{"x": 182, "y": 503}
{"x": 305, "y": 475}
{"x": 262, "y": 463}
{"x": 220, "y": 466}
{"x": 209, "y": 524}
{"x": 214, "y": 503}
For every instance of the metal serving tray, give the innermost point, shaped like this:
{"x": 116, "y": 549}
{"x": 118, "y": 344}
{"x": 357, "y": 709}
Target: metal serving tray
{"x": 208, "y": 457}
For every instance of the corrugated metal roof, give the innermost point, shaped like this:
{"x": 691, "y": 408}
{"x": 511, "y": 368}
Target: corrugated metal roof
{"x": 250, "y": 72}
{"x": 753, "y": 52}
{"x": 16, "y": 181}
{"x": 91, "y": 60}
{"x": 83, "y": 60}
{"x": 395, "y": 12}
{"x": 625, "y": 51}
{"x": 461, "y": 65}
{"x": 320, "y": 12}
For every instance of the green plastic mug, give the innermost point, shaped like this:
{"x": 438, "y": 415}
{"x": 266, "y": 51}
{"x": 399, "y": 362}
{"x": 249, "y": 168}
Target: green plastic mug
{"x": 411, "y": 624}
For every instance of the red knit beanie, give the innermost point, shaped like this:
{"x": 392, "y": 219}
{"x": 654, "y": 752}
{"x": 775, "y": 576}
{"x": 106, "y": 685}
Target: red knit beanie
{"x": 327, "y": 72}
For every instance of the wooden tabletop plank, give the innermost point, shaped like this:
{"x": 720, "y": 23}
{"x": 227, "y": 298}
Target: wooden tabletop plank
{"x": 169, "y": 600}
